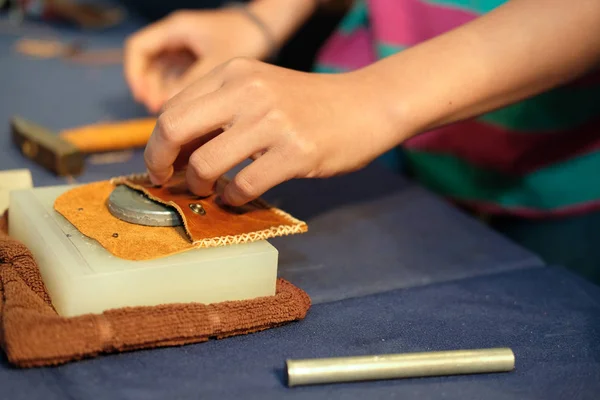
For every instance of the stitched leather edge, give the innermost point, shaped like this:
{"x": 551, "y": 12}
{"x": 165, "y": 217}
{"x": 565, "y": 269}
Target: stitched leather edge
{"x": 297, "y": 226}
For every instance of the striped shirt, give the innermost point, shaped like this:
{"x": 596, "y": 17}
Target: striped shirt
{"x": 536, "y": 158}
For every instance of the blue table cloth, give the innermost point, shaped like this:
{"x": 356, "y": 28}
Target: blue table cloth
{"x": 547, "y": 316}
{"x": 390, "y": 267}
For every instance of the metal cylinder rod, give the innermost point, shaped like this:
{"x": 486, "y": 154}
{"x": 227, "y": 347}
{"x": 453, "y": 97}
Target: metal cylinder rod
{"x": 395, "y": 366}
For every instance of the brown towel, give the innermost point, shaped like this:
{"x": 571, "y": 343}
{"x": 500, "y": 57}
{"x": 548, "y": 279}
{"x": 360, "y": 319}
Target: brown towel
{"x": 32, "y": 333}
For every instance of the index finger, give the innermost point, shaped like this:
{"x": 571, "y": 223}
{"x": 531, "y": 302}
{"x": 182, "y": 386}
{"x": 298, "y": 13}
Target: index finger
{"x": 182, "y": 124}
{"x": 196, "y": 83}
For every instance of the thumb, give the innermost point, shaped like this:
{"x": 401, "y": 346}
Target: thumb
{"x": 141, "y": 49}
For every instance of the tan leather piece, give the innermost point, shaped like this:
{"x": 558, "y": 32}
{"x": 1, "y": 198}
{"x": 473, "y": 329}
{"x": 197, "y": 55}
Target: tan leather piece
{"x": 32, "y": 334}
{"x": 85, "y": 207}
{"x": 218, "y": 225}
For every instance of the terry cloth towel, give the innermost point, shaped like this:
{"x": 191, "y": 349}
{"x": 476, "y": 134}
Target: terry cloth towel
{"x": 32, "y": 334}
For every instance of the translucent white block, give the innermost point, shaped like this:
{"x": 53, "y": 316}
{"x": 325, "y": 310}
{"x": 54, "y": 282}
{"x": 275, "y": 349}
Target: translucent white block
{"x": 13, "y": 179}
{"x": 82, "y": 277}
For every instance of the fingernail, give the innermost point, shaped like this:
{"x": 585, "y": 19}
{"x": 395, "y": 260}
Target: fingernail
{"x": 232, "y": 198}
{"x": 158, "y": 178}
{"x": 153, "y": 179}
{"x": 199, "y": 189}
{"x": 224, "y": 200}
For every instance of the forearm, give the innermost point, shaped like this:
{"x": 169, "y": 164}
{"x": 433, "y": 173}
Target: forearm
{"x": 518, "y": 50}
{"x": 283, "y": 17}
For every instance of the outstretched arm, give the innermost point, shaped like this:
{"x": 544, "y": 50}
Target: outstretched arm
{"x": 520, "y": 49}
{"x": 299, "y": 125}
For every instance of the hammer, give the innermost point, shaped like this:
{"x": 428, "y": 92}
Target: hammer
{"x": 64, "y": 153}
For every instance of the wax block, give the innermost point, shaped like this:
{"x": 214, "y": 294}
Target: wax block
{"x": 82, "y": 277}
{"x": 13, "y": 179}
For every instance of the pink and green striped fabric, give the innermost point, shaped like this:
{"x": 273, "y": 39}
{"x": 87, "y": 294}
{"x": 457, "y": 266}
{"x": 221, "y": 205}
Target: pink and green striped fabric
{"x": 536, "y": 158}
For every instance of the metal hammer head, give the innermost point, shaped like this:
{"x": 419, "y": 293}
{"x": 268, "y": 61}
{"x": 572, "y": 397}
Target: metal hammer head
{"x": 46, "y": 148}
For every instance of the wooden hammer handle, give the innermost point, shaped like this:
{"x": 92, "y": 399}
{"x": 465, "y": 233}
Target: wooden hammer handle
{"x": 110, "y": 136}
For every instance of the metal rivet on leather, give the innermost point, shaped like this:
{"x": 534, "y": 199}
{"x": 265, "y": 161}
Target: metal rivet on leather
{"x": 197, "y": 208}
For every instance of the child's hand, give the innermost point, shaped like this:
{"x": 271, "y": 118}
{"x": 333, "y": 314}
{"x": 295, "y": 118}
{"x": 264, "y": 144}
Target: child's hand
{"x": 295, "y": 125}
{"x": 209, "y": 38}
